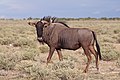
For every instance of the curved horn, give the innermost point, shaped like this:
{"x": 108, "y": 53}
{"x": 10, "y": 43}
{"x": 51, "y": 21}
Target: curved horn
{"x": 51, "y": 20}
{"x": 54, "y": 19}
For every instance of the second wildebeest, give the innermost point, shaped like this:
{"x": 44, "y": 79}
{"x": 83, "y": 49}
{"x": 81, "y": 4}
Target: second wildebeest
{"x": 59, "y": 36}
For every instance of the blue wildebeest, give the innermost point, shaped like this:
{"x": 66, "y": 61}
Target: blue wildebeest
{"x": 57, "y": 35}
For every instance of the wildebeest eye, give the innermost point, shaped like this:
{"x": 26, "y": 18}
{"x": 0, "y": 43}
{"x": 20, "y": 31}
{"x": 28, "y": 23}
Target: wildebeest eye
{"x": 45, "y": 24}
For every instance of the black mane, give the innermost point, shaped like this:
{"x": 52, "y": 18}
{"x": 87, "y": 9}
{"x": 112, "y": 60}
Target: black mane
{"x": 64, "y": 24}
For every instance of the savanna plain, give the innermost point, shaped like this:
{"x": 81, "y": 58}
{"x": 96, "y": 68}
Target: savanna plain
{"x": 22, "y": 57}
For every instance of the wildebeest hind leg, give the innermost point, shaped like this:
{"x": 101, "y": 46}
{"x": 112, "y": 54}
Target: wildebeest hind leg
{"x": 52, "y": 49}
{"x": 93, "y": 51}
{"x": 59, "y": 54}
{"x": 86, "y": 51}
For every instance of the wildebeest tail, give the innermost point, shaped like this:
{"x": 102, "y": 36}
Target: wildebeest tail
{"x": 97, "y": 46}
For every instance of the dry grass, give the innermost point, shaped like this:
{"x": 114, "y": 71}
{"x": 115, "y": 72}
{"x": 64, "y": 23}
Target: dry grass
{"x": 23, "y": 58}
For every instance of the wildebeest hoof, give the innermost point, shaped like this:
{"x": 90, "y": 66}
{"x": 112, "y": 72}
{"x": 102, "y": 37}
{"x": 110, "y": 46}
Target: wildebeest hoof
{"x": 85, "y": 71}
{"x": 49, "y": 62}
{"x": 61, "y": 59}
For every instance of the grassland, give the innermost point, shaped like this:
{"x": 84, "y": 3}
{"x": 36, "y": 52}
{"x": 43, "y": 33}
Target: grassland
{"x": 23, "y": 58}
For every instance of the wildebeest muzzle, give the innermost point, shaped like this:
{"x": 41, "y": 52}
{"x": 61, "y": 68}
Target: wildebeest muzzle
{"x": 40, "y": 39}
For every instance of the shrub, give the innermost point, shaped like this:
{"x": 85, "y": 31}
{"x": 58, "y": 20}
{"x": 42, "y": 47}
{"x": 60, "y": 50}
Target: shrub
{"x": 63, "y": 65}
{"x": 118, "y": 38}
{"x": 30, "y": 54}
{"x": 35, "y": 70}
{"x": 68, "y": 74}
{"x": 8, "y": 61}
{"x": 43, "y": 49}
{"x": 109, "y": 52}
{"x": 24, "y": 42}
{"x": 110, "y": 55}
{"x": 23, "y": 65}
{"x": 38, "y": 71}
{"x": 118, "y": 63}
{"x": 116, "y": 31}
{"x": 6, "y": 41}
{"x": 109, "y": 39}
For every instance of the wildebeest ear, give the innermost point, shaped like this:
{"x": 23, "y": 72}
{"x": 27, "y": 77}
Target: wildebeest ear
{"x": 32, "y": 23}
{"x": 46, "y": 23}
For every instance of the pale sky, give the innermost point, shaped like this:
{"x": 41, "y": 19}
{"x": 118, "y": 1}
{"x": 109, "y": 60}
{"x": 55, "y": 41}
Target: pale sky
{"x": 59, "y": 8}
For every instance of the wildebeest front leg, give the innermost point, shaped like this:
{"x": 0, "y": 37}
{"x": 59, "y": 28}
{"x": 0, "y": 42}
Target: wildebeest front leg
{"x": 59, "y": 54}
{"x": 52, "y": 49}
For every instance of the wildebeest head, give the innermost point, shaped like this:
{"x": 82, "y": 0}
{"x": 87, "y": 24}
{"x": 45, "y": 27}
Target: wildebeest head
{"x": 44, "y": 22}
{"x": 39, "y": 29}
